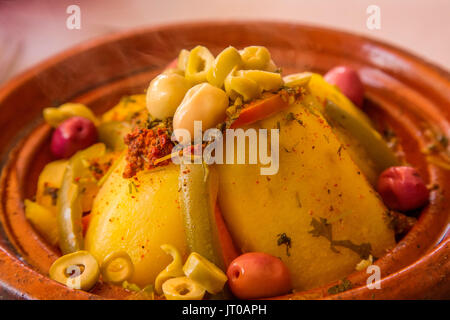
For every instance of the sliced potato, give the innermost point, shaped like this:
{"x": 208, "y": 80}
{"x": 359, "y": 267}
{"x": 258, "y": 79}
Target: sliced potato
{"x": 138, "y": 215}
{"x": 281, "y": 214}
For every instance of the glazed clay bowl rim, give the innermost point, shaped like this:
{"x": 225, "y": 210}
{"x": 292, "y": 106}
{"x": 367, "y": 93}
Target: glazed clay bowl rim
{"x": 39, "y": 286}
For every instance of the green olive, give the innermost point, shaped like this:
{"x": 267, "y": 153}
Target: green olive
{"x": 255, "y": 58}
{"x": 198, "y": 64}
{"x": 297, "y": 79}
{"x": 204, "y": 272}
{"x": 236, "y": 85}
{"x": 182, "y": 288}
{"x": 222, "y": 66}
{"x": 183, "y": 58}
{"x": 117, "y": 267}
{"x": 267, "y": 81}
{"x": 173, "y": 270}
{"x": 78, "y": 270}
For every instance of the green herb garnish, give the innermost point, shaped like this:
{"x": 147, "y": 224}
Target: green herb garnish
{"x": 341, "y": 287}
{"x": 321, "y": 228}
{"x": 283, "y": 239}
{"x": 52, "y": 192}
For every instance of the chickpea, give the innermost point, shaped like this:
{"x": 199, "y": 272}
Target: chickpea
{"x": 203, "y": 102}
{"x": 165, "y": 93}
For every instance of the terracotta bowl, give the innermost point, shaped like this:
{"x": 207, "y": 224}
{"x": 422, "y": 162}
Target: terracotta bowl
{"x": 402, "y": 91}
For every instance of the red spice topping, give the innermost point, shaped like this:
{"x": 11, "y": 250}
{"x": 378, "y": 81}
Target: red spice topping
{"x": 144, "y": 147}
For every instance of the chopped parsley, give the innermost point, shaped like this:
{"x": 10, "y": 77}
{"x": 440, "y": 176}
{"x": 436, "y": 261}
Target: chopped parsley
{"x": 321, "y": 228}
{"x": 297, "y": 197}
{"x": 341, "y": 287}
{"x": 52, "y": 192}
{"x": 132, "y": 186}
{"x": 290, "y": 117}
{"x": 283, "y": 239}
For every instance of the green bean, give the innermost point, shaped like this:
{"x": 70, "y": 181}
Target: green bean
{"x": 69, "y": 200}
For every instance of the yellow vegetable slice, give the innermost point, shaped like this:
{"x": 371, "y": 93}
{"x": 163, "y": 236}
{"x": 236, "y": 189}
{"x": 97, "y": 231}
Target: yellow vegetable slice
{"x": 173, "y": 270}
{"x": 117, "y": 267}
{"x": 43, "y": 220}
{"x": 241, "y": 86}
{"x": 54, "y": 116}
{"x": 267, "y": 81}
{"x": 323, "y": 91}
{"x": 297, "y": 79}
{"x": 223, "y": 64}
{"x": 77, "y": 270}
{"x": 49, "y": 183}
{"x": 182, "y": 61}
{"x": 182, "y": 288}
{"x": 255, "y": 57}
{"x": 199, "y": 62}
{"x": 206, "y": 273}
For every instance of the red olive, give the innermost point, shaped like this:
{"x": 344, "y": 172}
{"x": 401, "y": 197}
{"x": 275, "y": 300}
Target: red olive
{"x": 348, "y": 81}
{"x": 72, "y": 135}
{"x": 402, "y": 188}
{"x": 256, "y": 275}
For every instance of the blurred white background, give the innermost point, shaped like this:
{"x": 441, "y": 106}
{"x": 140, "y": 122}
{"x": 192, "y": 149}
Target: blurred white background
{"x": 31, "y": 31}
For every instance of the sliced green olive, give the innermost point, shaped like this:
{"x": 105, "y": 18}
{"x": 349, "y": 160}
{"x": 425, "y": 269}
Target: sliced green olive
{"x": 236, "y": 85}
{"x": 78, "y": 270}
{"x": 297, "y": 79}
{"x": 182, "y": 61}
{"x": 117, "y": 267}
{"x": 199, "y": 62}
{"x": 267, "y": 81}
{"x": 205, "y": 273}
{"x": 255, "y": 57}
{"x": 182, "y": 288}
{"x": 173, "y": 270}
{"x": 223, "y": 64}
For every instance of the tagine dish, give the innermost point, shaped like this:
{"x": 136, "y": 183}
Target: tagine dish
{"x": 227, "y": 170}
{"x": 226, "y": 179}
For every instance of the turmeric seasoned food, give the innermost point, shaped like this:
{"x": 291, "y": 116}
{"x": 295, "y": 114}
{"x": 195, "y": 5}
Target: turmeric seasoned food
{"x": 226, "y": 179}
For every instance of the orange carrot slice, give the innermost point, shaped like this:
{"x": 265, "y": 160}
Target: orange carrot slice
{"x": 229, "y": 250}
{"x": 261, "y": 109}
